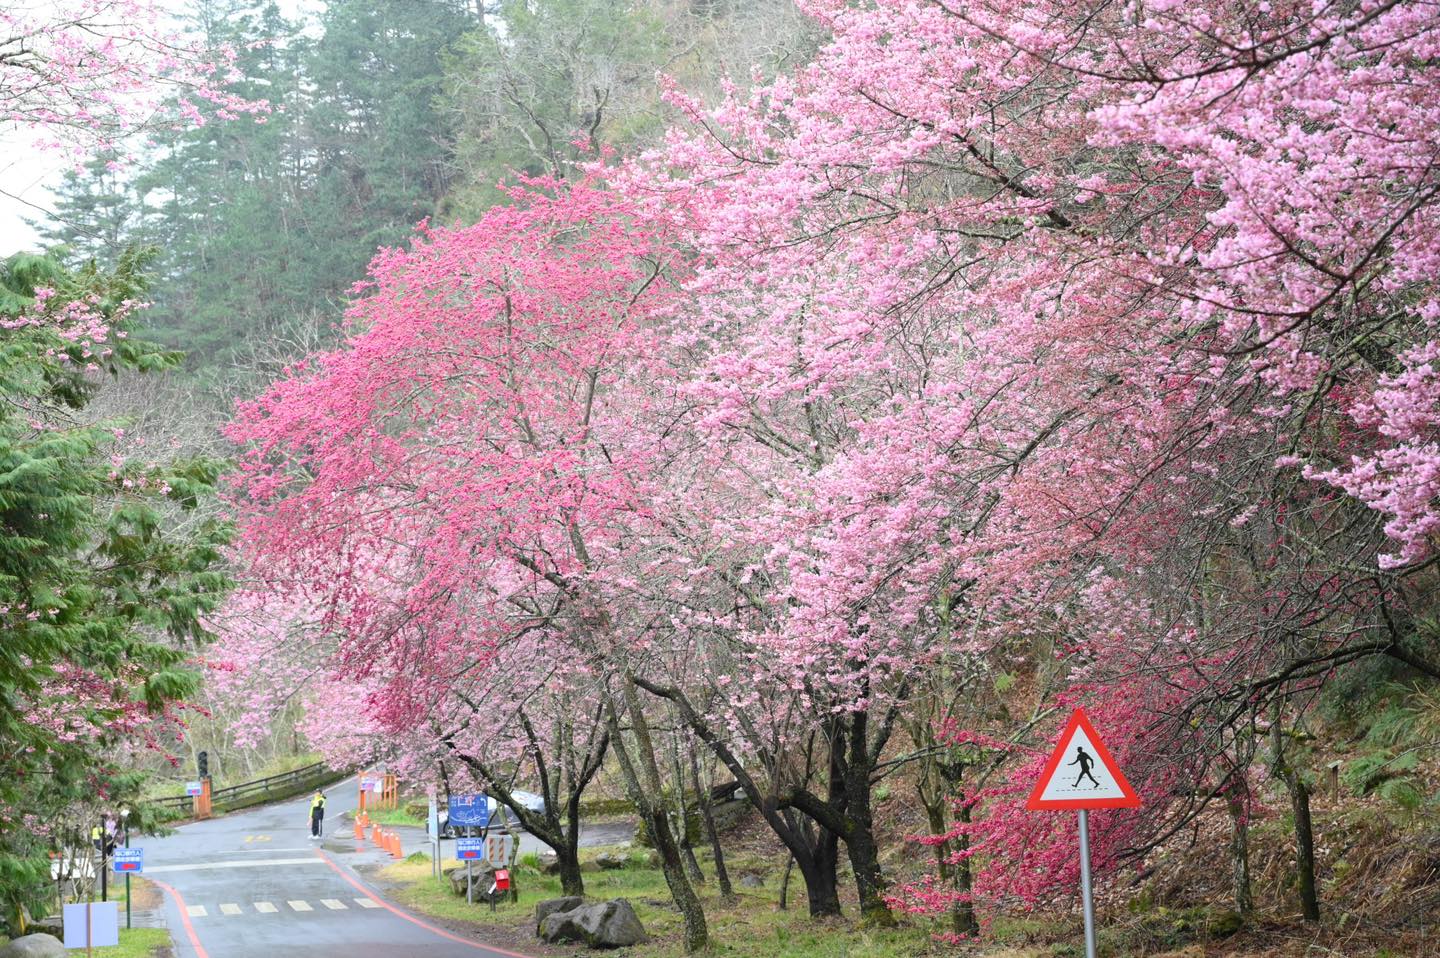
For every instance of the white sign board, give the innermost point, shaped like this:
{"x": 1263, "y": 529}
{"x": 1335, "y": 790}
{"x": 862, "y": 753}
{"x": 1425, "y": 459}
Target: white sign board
{"x": 194, "y": 788}
{"x": 1081, "y": 773}
{"x": 498, "y": 846}
{"x": 103, "y": 924}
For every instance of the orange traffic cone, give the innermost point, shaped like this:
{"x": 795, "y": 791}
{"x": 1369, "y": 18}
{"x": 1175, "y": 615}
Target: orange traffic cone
{"x": 359, "y": 831}
{"x": 395, "y": 845}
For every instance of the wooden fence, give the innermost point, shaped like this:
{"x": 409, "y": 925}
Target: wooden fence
{"x": 284, "y": 785}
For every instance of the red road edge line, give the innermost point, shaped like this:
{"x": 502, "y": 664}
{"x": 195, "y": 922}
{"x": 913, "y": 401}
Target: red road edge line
{"x": 200, "y": 951}
{"x": 400, "y": 913}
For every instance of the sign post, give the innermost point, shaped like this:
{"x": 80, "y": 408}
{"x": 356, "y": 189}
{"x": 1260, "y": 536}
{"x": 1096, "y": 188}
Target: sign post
{"x": 128, "y": 861}
{"x": 467, "y": 850}
{"x": 1081, "y": 775}
{"x": 432, "y": 825}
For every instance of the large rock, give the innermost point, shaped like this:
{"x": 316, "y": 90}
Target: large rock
{"x": 606, "y": 924}
{"x": 550, "y": 906}
{"x": 483, "y": 877}
{"x": 611, "y": 860}
{"x": 34, "y": 946}
{"x": 549, "y": 863}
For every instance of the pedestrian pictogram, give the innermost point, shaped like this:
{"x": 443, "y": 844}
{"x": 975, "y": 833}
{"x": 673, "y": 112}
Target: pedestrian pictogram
{"x": 1081, "y": 773}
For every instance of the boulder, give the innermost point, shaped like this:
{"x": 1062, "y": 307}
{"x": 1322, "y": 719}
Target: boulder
{"x": 34, "y": 946}
{"x": 610, "y": 861}
{"x": 606, "y": 924}
{"x": 550, "y": 906}
{"x": 483, "y": 876}
{"x": 752, "y": 880}
{"x": 549, "y": 863}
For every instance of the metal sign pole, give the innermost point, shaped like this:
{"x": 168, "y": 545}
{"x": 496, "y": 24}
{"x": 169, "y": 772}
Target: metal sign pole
{"x": 127, "y": 879}
{"x": 1085, "y": 891}
{"x": 469, "y": 882}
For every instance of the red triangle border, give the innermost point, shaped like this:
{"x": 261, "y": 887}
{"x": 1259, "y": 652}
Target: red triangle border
{"x": 1078, "y": 719}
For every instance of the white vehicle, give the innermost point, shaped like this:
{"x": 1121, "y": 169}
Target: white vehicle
{"x": 529, "y": 800}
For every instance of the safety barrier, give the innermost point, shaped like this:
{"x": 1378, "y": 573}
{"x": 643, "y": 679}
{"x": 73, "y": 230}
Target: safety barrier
{"x": 284, "y": 785}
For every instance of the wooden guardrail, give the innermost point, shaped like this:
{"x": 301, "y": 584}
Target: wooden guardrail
{"x": 262, "y": 789}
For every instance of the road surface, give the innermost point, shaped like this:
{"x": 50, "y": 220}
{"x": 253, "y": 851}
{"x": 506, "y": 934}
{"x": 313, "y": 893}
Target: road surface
{"x": 254, "y": 885}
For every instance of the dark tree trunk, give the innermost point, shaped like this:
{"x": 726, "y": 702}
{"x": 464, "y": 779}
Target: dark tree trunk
{"x": 1304, "y": 829}
{"x": 1304, "y": 847}
{"x": 814, "y": 849}
{"x": 785, "y": 883}
{"x": 707, "y": 817}
{"x": 860, "y": 834}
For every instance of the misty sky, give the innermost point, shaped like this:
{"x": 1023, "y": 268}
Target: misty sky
{"x": 26, "y": 174}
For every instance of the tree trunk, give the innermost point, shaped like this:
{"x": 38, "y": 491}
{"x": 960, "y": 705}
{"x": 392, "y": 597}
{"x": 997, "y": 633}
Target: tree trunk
{"x": 657, "y": 817}
{"x": 1304, "y": 830}
{"x": 1240, "y": 853}
{"x": 687, "y": 850}
{"x": 567, "y": 856}
{"x": 860, "y": 832}
{"x": 1304, "y": 847}
{"x": 707, "y": 818}
{"x": 785, "y": 883}
{"x": 815, "y": 850}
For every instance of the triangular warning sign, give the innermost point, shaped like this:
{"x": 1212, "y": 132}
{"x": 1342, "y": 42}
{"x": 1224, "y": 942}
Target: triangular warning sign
{"x": 1081, "y": 773}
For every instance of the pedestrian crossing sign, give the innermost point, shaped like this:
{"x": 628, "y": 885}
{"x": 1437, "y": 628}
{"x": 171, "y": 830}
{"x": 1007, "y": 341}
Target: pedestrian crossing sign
{"x": 1081, "y": 773}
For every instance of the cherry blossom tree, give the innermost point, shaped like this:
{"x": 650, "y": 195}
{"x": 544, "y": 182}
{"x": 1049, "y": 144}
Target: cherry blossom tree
{"x": 84, "y": 75}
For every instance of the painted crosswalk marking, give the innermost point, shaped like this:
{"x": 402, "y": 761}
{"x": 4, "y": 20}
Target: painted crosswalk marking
{"x": 231, "y": 909}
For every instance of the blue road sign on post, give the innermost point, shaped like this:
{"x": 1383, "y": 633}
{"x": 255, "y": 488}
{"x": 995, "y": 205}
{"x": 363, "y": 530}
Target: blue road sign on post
{"x": 471, "y": 811}
{"x": 469, "y": 849}
{"x": 129, "y": 861}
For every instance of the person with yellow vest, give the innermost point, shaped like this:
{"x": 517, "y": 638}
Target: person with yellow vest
{"x": 317, "y": 814}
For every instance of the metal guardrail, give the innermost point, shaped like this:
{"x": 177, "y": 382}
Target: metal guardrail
{"x": 258, "y": 790}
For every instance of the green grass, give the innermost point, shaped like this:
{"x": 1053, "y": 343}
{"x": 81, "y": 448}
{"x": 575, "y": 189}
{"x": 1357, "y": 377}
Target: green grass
{"x": 752, "y": 928}
{"x": 136, "y": 943}
{"x": 396, "y": 816}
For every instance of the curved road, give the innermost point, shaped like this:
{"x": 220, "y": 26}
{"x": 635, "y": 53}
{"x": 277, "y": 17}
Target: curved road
{"x": 254, "y": 884}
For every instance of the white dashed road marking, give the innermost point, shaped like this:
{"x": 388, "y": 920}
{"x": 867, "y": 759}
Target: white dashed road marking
{"x": 229, "y": 909}
{"x": 252, "y": 863}
{"x": 367, "y": 903}
{"x": 332, "y": 904}
{"x": 195, "y": 911}
{"x": 265, "y": 908}
{"x": 300, "y": 905}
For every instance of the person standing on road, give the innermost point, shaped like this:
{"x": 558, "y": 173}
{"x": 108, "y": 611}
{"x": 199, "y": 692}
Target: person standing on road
{"x": 317, "y": 815}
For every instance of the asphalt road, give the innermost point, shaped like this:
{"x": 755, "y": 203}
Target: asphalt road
{"x": 255, "y": 885}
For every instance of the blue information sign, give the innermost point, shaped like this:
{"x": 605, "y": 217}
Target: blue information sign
{"x": 129, "y": 861}
{"x": 469, "y": 849}
{"x": 471, "y": 811}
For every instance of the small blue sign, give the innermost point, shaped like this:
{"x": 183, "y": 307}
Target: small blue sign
{"x": 470, "y": 811}
{"x": 469, "y": 849}
{"x": 129, "y": 861}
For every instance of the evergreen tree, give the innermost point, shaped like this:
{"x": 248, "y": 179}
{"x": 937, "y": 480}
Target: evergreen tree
{"x": 102, "y": 585}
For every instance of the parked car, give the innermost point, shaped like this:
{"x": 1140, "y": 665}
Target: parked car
{"x": 529, "y": 800}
